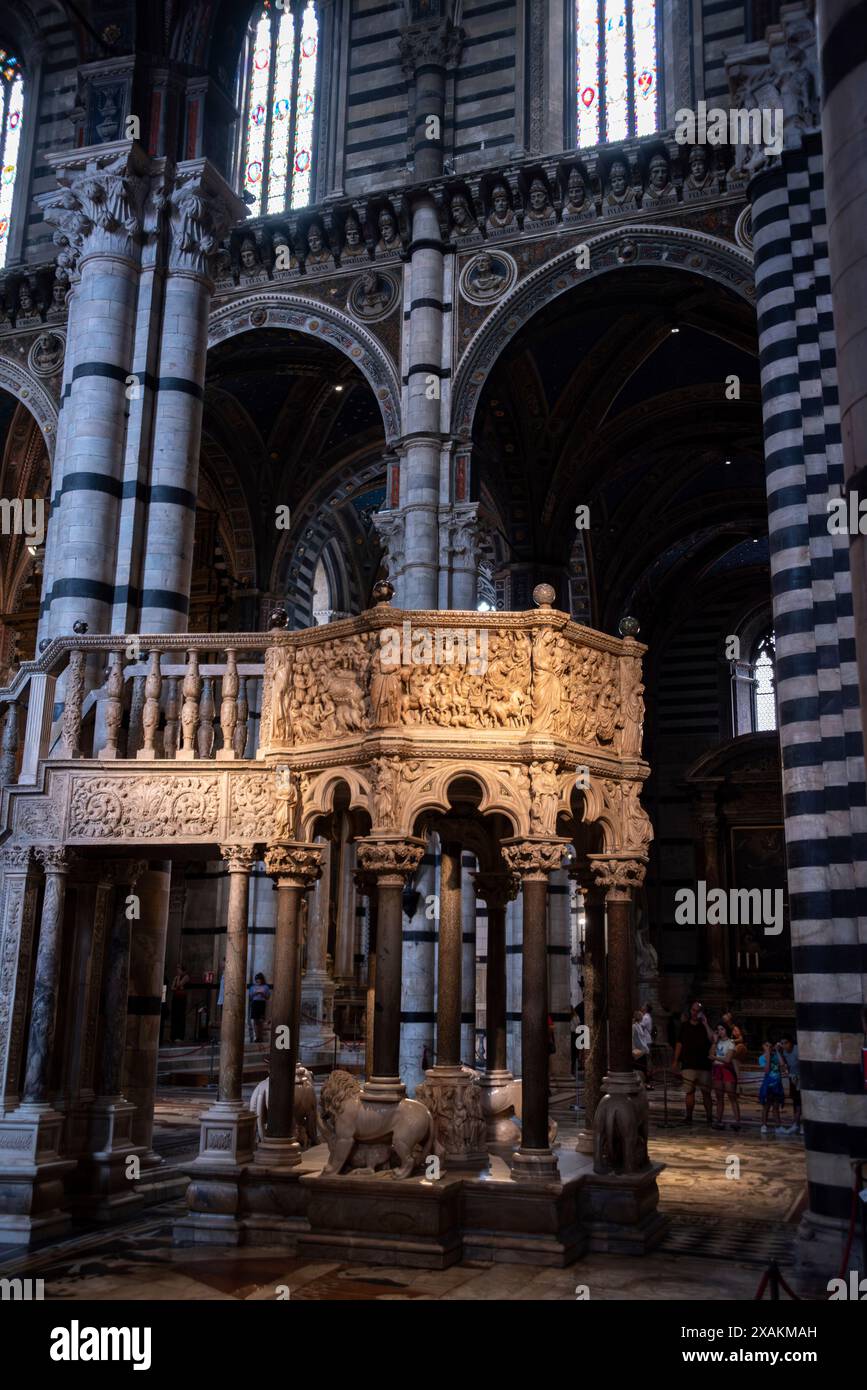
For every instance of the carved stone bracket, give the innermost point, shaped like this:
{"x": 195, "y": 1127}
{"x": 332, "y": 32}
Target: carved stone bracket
{"x": 294, "y": 864}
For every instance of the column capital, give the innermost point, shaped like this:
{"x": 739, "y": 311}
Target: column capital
{"x": 201, "y": 208}
{"x": 55, "y": 859}
{"x": 388, "y": 857}
{"x": 496, "y": 889}
{"x": 618, "y": 874}
{"x": 534, "y": 856}
{"x": 429, "y": 45}
{"x": 294, "y": 863}
{"x": 241, "y": 858}
{"x": 98, "y": 208}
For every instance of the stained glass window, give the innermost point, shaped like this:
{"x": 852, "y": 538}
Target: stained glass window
{"x": 615, "y": 70}
{"x": 281, "y": 106}
{"x": 764, "y": 691}
{"x": 11, "y": 121}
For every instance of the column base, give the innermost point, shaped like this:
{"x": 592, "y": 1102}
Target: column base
{"x": 228, "y": 1135}
{"x": 106, "y": 1192}
{"x": 535, "y": 1165}
{"x": 619, "y": 1212}
{"x": 455, "y": 1102}
{"x": 498, "y": 1092}
{"x": 819, "y": 1252}
{"x": 383, "y": 1090}
{"x": 278, "y": 1154}
{"x": 32, "y": 1175}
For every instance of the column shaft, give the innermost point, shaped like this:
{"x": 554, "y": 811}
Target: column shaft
{"x": 619, "y": 984}
{"x": 534, "y": 1022}
{"x": 449, "y": 959}
{"x": 115, "y": 989}
{"x": 234, "y": 986}
{"x": 386, "y": 1008}
{"x": 495, "y": 998}
{"x": 147, "y": 970}
{"x": 43, "y": 1015}
{"x": 284, "y": 1014}
{"x": 595, "y": 1058}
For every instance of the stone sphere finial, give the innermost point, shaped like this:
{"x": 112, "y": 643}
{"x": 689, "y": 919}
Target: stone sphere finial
{"x": 544, "y": 595}
{"x": 79, "y": 627}
{"x": 383, "y": 591}
{"x": 279, "y": 618}
{"x": 46, "y": 641}
{"x": 629, "y": 627}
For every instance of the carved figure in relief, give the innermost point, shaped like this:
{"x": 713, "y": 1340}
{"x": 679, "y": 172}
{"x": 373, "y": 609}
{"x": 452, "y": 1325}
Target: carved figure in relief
{"x": 404, "y": 1128}
{"x": 284, "y": 810}
{"x": 545, "y": 797}
{"x": 388, "y": 240}
{"x": 280, "y": 705}
{"x": 619, "y": 195}
{"x": 547, "y": 688}
{"x": 539, "y": 204}
{"x": 463, "y": 222}
{"x": 386, "y": 685}
{"x": 579, "y": 199}
{"x": 385, "y": 777}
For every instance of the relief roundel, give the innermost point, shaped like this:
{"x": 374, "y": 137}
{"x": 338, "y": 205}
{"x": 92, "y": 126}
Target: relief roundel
{"x": 373, "y": 295}
{"x": 488, "y": 276}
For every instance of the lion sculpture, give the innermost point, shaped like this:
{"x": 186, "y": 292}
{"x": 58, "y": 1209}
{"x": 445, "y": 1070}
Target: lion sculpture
{"x": 306, "y": 1119}
{"x": 369, "y": 1133}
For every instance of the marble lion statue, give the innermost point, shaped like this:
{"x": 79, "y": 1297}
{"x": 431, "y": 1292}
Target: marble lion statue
{"x": 306, "y": 1119}
{"x": 620, "y": 1134}
{"x": 404, "y": 1128}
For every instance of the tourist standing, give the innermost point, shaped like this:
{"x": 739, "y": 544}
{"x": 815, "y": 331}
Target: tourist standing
{"x": 260, "y": 993}
{"x": 724, "y": 1075}
{"x": 771, "y": 1094}
{"x": 791, "y": 1068}
{"x": 640, "y": 1050}
{"x": 691, "y": 1059}
{"x": 179, "y": 1004}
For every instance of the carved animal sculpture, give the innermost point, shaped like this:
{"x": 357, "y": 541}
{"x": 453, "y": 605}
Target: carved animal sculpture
{"x": 306, "y": 1118}
{"x": 405, "y": 1127}
{"x": 620, "y": 1134}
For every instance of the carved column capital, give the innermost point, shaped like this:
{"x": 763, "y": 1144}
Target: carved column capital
{"x": 98, "y": 207}
{"x": 390, "y": 859}
{"x": 201, "y": 208}
{"x": 294, "y": 864}
{"x": 496, "y": 890}
{"x": 435, "y": 44}
{"x": 618, "y": 874}
{"x": 55, "y": 859}
{"x": 533, "y": 857}
{"x": 241, "y": 859}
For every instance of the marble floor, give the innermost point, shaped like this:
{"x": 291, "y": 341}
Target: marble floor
{"x": 734, "y": 1200}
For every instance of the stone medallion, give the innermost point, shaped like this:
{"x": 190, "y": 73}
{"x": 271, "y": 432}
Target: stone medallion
{"x": 488, "y": 276}
{"x": 46, "y": 354}
{"x": 372, "y": 296}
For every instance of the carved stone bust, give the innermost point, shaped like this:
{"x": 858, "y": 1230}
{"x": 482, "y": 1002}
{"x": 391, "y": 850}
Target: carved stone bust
{"x": 501, "y": 215}
{"x": 463, "y": 222}
{"x": 388, "y": 238}
{"x": 317, "y": 252}
{"x": 660, "y": 191}
{"x": 539, "y": 207}
{"x": 700, "y": 182}
{"x": 353, "y": 244}
{"x": 579, "y": 200}
{"x": 619, "y": 194}
{"x": 251, "y": 267}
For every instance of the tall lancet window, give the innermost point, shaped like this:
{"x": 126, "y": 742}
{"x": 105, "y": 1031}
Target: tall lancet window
{"x": 615, "y": 70}
{"x": 280, "y": 108}
{"x": 11, "y": 121}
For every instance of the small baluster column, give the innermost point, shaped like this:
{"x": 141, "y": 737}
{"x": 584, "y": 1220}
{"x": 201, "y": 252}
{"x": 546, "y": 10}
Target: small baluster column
{"x": 172, "y": 728}
{"x": 73, "y": 698}
{"x": 151, "y": 712}
{"x": 229, "y": 706}
{"x": 207, "y": 710}
{"x": 239, "y": 734}
{"x": 9, "y": 747}
{"x": 190, "y": 713}
{"x": 112, "y": 707}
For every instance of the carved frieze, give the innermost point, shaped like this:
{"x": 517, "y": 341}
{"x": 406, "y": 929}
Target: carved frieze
{"x": 143, "y": 807}
{"x": 252, "y": 806}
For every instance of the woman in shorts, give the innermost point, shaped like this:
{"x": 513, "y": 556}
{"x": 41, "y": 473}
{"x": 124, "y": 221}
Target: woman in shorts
{"x": 724, "y": 1078}
{"x": 260, "y": 993}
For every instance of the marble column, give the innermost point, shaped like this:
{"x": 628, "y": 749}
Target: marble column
{"x": 449, "y": 958}
{"x": 294, "y": 866}
{"x": 17, "y": 930}
{"x": 496, "y": 1084}
{"x": 595, "y": 1055}
{"x": 533, "y": 860}
{"x": 344, "y": 947}
{"x": 559, "y": 962}
{"x": 418, "y": 970}
{"x": 199, "y": 207}
{"x": 99, "y": 208}
{"x": 108, "y": 1186}
{"x": 468, "y": 961}
{"x": 228, "y": 1126}
{"x": 427, "y": 50}
{"x": 146, "y": 975}
{"x": 392, "y": 859}
{"x": 514, "y": 949}
{"x": 32, "y": 1202}
{"x": 317, "y": 986}
{"x": 94, "y": 896}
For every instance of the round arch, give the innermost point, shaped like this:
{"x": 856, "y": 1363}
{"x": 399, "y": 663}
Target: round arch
{"x": 677, "y": 248}
{"x": 268, "y": 309}
{"x": 34, "y": 396}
